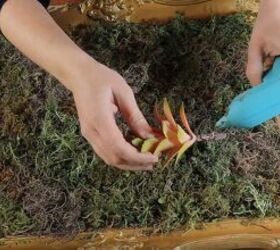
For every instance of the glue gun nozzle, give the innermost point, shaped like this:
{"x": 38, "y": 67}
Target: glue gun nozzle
{"x": 222, "y": 123}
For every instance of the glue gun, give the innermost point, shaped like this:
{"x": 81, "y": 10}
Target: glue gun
{"x": 257, "y": 105}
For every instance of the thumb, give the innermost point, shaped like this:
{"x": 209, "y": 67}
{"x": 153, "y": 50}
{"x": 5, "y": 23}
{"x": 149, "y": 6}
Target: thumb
{"x": 255, "y": 64}
{"x": 132, "y": 114}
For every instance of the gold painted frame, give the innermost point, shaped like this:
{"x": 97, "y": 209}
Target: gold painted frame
{"x": 139, "y": 10}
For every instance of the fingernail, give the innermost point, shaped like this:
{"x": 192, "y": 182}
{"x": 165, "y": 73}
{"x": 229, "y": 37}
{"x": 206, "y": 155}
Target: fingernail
{"x": 146, "y": 135}
{"x": 150, "y": 168}
{"x": 154, "y": 158}
{"x": 150, "y": 135}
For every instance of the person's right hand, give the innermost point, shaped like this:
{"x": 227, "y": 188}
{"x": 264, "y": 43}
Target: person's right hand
{"x": 99, "y": 94}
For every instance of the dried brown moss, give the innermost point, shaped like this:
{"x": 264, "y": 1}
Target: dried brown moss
{"x": 50, "y": 180}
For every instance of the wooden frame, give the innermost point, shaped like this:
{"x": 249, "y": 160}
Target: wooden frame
{"x": 226, "y": 235}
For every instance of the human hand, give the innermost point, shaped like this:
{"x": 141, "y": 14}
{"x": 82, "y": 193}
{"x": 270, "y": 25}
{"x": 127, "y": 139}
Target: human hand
{"x": 265, "y": 41}
{"x": 99, "y": 92}
{"x": 99, "y": 95}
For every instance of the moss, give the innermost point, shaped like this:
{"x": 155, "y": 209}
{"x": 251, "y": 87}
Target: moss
{"x": 13, "y": 218}
{"x": 51, "y": 182}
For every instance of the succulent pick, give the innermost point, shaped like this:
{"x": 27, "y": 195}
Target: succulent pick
{"x": 170, "y": 138}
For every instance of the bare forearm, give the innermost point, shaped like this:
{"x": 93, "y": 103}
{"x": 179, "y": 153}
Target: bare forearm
{"x": 32, "y": 30}
{"x": 98, "y": 91}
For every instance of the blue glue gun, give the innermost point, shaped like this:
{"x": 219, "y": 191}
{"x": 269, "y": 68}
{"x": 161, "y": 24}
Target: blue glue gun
{"x": 257, "y": 105}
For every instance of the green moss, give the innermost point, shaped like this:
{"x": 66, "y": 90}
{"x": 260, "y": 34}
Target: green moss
{"x": 60, "y": 186}
{"x": 13, "y": 218}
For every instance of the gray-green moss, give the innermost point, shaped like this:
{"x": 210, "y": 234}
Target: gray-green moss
{"x": 50, "y": 180}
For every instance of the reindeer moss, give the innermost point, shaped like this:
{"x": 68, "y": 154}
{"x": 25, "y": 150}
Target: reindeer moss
{"x": 50, "y": 180}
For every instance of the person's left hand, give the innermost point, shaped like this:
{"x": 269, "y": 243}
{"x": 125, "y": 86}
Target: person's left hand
{"x": 265, "y": 41}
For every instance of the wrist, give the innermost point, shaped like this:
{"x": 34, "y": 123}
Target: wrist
{"x": 76, "y": 73}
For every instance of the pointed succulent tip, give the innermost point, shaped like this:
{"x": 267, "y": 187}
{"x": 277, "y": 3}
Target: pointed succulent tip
{"x": 168, "y": 113}
{"x": 223, "y": 123}
{"x": 185, "y": 121}
{"x": 149, "y": 145}
{"x": 183, "y": 149}
{"x": 157, "y": 114}
{"x": 182, "y": 136}
{"x": 137, "y": 142}
{"x": 163, "y": 146}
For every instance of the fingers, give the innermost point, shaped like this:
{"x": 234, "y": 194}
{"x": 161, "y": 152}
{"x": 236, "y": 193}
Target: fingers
{"x": 255, "y": 64}
{"x": 112, "y": 159}
{"x": 97, "y": 107}
{"x": 130, "y": 155}
{"x": 132, "y": 114}
{"x": 114, "y": 149}
{"x": 124, "y": 151}
{"x": 268, "y": 62}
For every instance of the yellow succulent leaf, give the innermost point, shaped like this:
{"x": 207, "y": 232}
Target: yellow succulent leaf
{"x": 168, "y": 113}
{"x": 182, "y": 136}
{"x": 169, "y": 133}
{"x": 163, "y": 146}
{"x": 149, "y": 145}
{"x": 185, "y": 121}
{"x": 183, "y": 149}
{"x": 165, "y": 128}
{"x": 137, "y": 142}
{"x": 171, "y": 155}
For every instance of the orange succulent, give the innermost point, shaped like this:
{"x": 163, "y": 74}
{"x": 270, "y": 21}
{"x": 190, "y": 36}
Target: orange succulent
{"x": 171, "y": 140}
